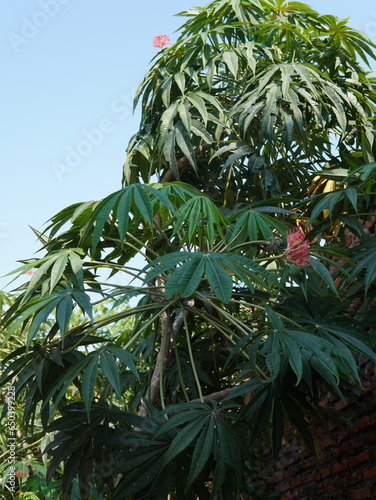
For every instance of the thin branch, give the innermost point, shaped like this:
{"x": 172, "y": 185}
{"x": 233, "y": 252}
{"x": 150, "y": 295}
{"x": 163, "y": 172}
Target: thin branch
{"x": 168, "y": 336}
{"x": 216, "y": 396}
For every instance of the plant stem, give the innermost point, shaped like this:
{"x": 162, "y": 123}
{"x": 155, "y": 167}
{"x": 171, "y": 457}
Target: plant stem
{"x": 192, "y": 360}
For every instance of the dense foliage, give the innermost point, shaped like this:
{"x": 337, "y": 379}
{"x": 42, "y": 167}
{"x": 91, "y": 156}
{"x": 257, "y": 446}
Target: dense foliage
{"x": 253, "y": 168}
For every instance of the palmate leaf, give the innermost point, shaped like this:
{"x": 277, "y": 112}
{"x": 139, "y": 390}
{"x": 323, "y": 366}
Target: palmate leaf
{"x": 252, "y": 225}
{"x": 39, "y": 310}
{"x": 201, "y": 216}
{"x": 327, "y": 202}
{"x": 272, "y": 349}
{"x": 63, "y": 314}
{"x": 208, "y": 430}
{"x": 324, "y": 274}
{"x": 364, "y": 256}
{"x": 184, "y": 438}
{"x": 89, "y": 380}
{"x": 132, "y": 204}
{"x": 137, "y": 480}
{"x": 216, "y": 266}
{"x": 298, "y": 346}
{"x": 139, "y": 461}
{"x": 187, "y": 278}
{"x": 329, "y": 321}
{"x": 203, "y": 450}
{"x": 53, "y": 267}
{"x": 76, "y": 432}
{"x": 219, "y": 280}
{"x": 349, "y": 337}
{"x": 110, "y": 371}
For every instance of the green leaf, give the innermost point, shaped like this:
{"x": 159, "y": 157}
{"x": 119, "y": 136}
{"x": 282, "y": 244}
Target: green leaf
{"x": 231, "y": 60}
{"x": 324, "y": 274}
{"x": 143, "y": 203}
{"x": 127, "y": 358}
{"x": 83, "y": 300}
{"x": 328, "y": 202}
{"x": 76, "y": 264}
{"x": 88, "y": 382}
{"x": 184, "y": 142}
{"x": 186, "y": 278}
{"x": 44, "y": 308}
{"x": 270, "y": 110}
{"x": 295, "y": 356}
{"x": 63, "y": 315}
{"x": 187, "y": 412}
{"x": 122, "y": 214}
{"x": 110, "y": 371}
{"x": 245, "y": 388}
{"x": 101, "y": 215}
{"x": 199, "y": 104}
{"x": 352, "y": 195}
{"x": 347, "y": 335}
{"x": 202, "y": 451}
{"x": 164, "y": 263}
{"x": 166, "y": 91}
{"x": 183, "y": 439}
{"x": 219, "y": 280}
{"x": 185, "y": 115}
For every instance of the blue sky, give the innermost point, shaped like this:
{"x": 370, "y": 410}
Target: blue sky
{"x": 70, "y": 69}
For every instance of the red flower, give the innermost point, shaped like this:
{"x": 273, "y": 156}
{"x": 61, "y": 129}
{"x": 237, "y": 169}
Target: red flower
{"x": 161, "y": 41}
{"x": 297, "y": 251}
{"x": 21, "y": 473}
{"x": 30, "y": 272}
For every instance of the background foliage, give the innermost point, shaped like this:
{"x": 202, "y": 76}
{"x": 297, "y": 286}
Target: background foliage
{"x": 259, "y": 120}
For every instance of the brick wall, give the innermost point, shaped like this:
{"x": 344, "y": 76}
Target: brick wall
{"x": 345, "y": 468}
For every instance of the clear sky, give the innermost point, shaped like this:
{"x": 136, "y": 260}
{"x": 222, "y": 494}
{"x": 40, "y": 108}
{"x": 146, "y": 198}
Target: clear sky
{"x": 70, "y": 69}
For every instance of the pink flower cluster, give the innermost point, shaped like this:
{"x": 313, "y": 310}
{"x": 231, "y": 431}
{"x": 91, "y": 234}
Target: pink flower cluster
{"x": 161, "y": 41}
{"x": 297, "y": 251}
{"x": 21, "y": 473}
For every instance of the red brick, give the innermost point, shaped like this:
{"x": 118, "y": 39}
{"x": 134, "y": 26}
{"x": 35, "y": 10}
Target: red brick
{"x": 372, "y": 418}
{"x": 337, "y": 467}
{"x": 284, "y": 487}
{"x": 309, "y": 463}
{"x": 356, "y": 442}
{"x": 325, "y": 472}
{"x": 337, "y": 451}
{"x": 324, "y": 402}
{"x": 314, "y": 476}
{"x": 371, "y": 437}
{"x": 287, "y": 496}
{"x": 326, "y": 443}
{"x": 341, "y": 404}
{"x": 342, "y": 436}
{"x": 331, "y": 488}
{"x": 296, "y": 482}
{"x": 361, "y": 424}
{"x": 369, "y": 473}
{"x": 359, "y": 459}
{"x": 353, "y": 478}
{"x": 283, "y": 474}
{"x": 360, "y": 493}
